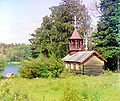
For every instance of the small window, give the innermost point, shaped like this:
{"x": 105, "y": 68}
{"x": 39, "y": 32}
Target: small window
{"x": 77, "y": 67}
{"x": 71, "y": 66}
{"x": 78, "y": 44}
{"x": 66, "y": 66}
{"x": 73, "y": 43}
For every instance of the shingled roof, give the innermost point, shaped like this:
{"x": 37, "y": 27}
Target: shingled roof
{"x": 75, "y": 35}
{"x": 81, "y": 56}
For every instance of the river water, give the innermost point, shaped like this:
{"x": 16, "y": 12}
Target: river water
{"x": 10, "y": 69}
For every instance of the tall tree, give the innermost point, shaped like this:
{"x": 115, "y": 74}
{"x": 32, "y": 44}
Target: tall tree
{"x": 55, "y": 30}
{"x": 107, "y": 37}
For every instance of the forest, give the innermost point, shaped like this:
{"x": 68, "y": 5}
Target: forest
{"x": 42, "y": 71}
{"x": 14, "y": 52}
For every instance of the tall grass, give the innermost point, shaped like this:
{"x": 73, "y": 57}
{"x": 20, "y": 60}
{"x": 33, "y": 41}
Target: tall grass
{"x": 72, "y": 88}
{"x": 7, "y": 93}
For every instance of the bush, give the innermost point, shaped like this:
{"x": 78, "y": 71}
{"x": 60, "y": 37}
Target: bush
{"x": 41, "y": 67}
{"x": 3, "y": 61}
{"x": 2, "y": 77}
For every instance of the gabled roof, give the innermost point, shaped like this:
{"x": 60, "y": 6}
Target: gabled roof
{"x": 81, "y": 56}
{"x": 75, "y": 35}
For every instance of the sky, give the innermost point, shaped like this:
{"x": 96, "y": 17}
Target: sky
{"x": 19, "y": 18}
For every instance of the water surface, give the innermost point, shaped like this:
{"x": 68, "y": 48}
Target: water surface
{"x": 10, "y": 69}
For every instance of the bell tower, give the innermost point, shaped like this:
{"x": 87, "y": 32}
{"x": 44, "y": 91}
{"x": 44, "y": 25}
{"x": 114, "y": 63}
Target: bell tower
{"x": 75, "y": 42}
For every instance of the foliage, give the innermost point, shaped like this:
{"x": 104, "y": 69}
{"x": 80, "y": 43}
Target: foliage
{"x": 107, "y": 37}
{"x": 72, "y": 87}
{"x": 8, "y": 94}
{"x": 18, "y": 53}
{"x": 3, "y": 61}
{"x": 41, "y": 67}
{"x": 15, "y": 52}
{"x": 4, "y": 48}
{"x": 55, "y": 30}
{"x": 2, "y": 76}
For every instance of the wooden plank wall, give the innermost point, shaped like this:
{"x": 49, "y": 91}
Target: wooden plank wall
{"x": 93, "y": 66}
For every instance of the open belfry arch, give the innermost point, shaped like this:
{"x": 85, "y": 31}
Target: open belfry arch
{"x": 75, "y": 43}
{"x": 82, "y": 61}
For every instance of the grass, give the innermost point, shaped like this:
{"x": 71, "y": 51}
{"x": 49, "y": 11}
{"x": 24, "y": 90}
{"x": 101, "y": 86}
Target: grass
{"x": 71, "y": 88}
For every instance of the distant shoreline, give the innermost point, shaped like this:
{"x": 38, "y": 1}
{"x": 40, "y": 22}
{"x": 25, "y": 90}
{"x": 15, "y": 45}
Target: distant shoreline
{"x": 13, "y": 63}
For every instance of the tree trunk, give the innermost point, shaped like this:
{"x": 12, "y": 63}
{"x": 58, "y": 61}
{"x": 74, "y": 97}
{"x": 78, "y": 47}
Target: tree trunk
{"x": 118, "y": 62}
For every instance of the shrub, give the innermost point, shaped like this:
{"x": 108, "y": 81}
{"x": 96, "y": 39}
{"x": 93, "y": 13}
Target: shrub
{"x": 2, "y": 77}
{"x": 3, "y": 61}
{"x": 41, "y": 67}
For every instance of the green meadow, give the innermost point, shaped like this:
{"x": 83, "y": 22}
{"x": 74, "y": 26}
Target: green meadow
{"x": 70, "y": 87}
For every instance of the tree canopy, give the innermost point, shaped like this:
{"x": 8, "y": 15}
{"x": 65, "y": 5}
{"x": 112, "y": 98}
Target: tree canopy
{"x": 107, "y": 37}
{"x": 57, "y": 28}
{"x": 15, "y": 52}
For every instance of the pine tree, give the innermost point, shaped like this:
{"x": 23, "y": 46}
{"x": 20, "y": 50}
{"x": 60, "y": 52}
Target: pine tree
{"x": 107, "y": 37}
{"x": 57, "y": 28}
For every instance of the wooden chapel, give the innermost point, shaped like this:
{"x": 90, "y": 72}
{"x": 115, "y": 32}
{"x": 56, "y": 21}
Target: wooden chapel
{"x": 87, "y": 62}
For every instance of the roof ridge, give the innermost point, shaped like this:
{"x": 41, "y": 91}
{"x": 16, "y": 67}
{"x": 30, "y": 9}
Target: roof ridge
{"x": 84, "y": 55}
{"x": 87, "y": 55}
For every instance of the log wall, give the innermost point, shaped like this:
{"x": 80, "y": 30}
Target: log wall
{"x": 92, "y": 66}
